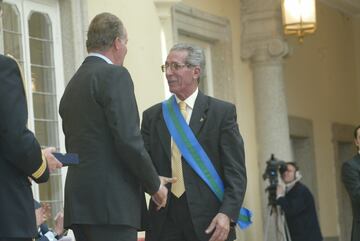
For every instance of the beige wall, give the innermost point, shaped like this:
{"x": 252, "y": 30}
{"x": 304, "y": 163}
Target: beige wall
{"x": 322, "y": 85}
{"x": 356, "y": 28}
{"x": 143, "y": 59}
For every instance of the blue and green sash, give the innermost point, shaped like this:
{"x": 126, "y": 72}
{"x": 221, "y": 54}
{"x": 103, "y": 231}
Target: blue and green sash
{"x": 195, "y": 155}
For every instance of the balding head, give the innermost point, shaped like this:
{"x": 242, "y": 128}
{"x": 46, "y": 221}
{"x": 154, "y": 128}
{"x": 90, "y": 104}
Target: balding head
{"x": 103, "y": 30}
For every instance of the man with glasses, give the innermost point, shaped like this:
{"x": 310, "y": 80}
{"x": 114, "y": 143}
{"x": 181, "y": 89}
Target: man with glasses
{"x": 103, "y": 194}
{"x": 193, "y": 211}
{"x": 21, "y": 158}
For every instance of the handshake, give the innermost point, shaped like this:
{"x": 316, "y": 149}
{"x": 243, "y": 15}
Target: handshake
{"x": 160, "y": 197}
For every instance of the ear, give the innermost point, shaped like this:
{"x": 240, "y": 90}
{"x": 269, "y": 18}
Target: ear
{"x": 297, "y": 174}
{"x": 117, "y": 43}
{"x": 197, "y": 72}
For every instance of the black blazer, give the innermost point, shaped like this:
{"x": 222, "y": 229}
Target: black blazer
{"x": 20, "y": 156}
{"x": 101, "y": 124}
{"x": 351, "y": 179}
{"x": 299, "y": 207}
{"x": 214, "y": 124}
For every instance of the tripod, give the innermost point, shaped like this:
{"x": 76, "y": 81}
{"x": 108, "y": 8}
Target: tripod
{"x": 279, "y": 221}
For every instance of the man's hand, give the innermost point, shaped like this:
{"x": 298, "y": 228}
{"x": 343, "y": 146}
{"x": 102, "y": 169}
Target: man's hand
{"x": 160, "y": 197}
{"x": 220, "y": 226}
{"x": 40, "y": 217}
{"x": 52, "y": 162}
{"x": 166, "y": 180}
{"x": 59, "y": 223}
{"x": 42, "y": 213}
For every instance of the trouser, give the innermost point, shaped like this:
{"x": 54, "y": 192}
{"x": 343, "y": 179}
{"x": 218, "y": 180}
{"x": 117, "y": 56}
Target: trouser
{"x": 178, "y": 225}
{"x": 90, "y": 232}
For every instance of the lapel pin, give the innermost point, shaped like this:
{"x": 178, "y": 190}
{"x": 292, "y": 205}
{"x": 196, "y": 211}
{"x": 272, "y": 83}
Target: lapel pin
{"x": 201, "y": 119}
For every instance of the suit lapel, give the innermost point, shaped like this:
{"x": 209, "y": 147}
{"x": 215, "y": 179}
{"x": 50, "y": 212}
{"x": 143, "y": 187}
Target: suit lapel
{"x": 164, "y": 135}
{"x": 199, "y": 114}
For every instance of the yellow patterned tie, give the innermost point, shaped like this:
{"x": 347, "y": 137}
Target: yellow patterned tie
{"x": 178, "y": 188}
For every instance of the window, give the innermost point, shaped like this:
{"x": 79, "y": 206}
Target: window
{"x": 12, "y": 32}
{"x": 30, "y": 34}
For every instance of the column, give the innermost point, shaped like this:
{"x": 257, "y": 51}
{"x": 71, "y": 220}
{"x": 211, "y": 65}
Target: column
{"x": 263, "y": 46}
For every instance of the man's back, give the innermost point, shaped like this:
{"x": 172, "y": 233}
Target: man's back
{"x": 100, "y": 120}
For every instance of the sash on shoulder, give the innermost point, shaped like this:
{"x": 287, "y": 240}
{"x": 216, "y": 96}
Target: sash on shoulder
{"x": 195, "y": 155}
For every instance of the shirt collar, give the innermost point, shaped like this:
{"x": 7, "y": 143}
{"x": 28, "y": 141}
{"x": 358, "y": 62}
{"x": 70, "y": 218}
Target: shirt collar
{"x": 101, "y": 56}
{"x": 190, "y": 101}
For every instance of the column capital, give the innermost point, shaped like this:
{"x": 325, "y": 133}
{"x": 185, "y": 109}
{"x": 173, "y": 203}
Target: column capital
{"x": 164, "y": 7}
{"x": 262, "y": 35}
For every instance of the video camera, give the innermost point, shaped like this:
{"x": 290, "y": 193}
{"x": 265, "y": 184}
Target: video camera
{"x": 273, "y": 167}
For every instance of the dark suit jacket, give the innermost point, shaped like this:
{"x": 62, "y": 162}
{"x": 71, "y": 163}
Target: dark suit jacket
{"x": 214, "y": 124}
{"x": 20, "y": 156}
{"x": 299, "y": 207}
{"x": 101, "y": 124}
{"x": 351, "y": 179}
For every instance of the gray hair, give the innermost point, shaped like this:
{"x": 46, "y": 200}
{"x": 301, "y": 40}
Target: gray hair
{"x": 195, "y": 57}
{"x": 103, "y": 30}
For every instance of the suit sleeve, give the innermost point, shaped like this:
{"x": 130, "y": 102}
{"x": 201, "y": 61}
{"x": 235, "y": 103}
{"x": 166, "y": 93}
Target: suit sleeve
{"x": 233, "y": 162}
{"x": 123, "y": 119}
{"x": 18, "y": 144}
{"x": 351, "y": 179}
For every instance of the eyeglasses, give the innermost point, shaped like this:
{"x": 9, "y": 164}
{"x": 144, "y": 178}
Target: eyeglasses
{"x": 173, "y": 66}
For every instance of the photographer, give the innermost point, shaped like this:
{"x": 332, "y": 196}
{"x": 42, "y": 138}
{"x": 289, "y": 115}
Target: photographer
{"x": 297, "y": 202}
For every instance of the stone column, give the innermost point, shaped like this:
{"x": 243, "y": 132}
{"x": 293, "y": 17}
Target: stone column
{"x": 262, "y": 44}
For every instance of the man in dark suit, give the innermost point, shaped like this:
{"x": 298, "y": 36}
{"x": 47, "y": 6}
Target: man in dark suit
{"x": 351, "y": 179}
{"x": 193, "y": 212}
{"x": 103, "y": 194}
{"x": 20, "y": 158}
{"x": 298, "y": 204}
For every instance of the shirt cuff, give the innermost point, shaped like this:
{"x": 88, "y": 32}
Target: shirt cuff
{"x": 280, "y": 195}
{"x": 50, "y": 235}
